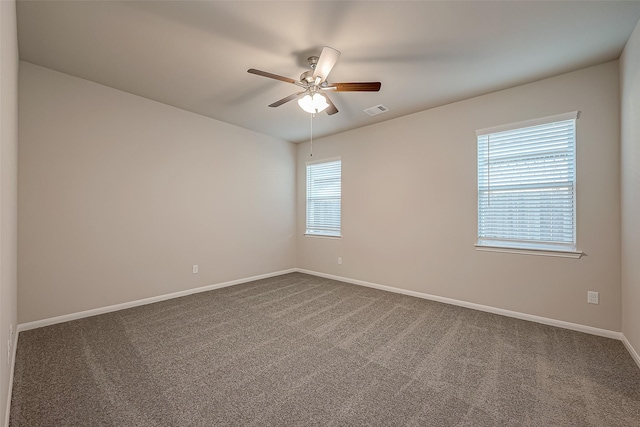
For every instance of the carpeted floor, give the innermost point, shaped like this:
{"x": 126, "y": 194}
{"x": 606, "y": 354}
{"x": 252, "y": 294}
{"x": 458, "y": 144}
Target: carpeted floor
{"x": 302, "y": 350}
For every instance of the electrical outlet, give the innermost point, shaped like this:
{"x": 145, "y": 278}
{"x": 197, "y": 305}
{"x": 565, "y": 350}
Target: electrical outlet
{"x": 195, "y": 268}
{"x": 339, "y": 260}
{"x": 593, "y": 297}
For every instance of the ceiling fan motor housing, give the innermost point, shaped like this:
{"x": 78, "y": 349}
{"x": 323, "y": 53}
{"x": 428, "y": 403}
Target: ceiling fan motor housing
{"x": 307, "y": 76}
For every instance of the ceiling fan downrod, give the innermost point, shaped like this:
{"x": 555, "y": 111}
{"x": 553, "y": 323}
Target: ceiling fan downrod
{"x": 313, "y": 61}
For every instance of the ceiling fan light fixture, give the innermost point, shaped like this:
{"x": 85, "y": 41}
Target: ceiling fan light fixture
{"x": 313, "y": 103}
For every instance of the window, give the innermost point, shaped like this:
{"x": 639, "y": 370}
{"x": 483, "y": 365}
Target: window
{"x": 526, "y": 187}
{"x": 324, "y": 198}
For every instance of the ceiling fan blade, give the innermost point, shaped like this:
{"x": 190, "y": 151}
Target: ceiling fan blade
{"x": 356, "y": 87}
{"x": 331, "y": 109}
{"x": 327, "y": 60}
{"x": 271, "y": 76}
{"x": 287, "y": 99}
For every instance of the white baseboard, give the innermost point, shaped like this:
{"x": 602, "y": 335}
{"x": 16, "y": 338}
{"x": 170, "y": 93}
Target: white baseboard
{"x": 102, "y": 310}
{"x": 530, "y": 317}
{"x": 632, "y": 351}
{"x": 11, "y": 370}
{"x": 523, "y": 316}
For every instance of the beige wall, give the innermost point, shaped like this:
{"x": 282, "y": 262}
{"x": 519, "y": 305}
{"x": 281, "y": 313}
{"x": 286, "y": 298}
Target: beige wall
{"x": 8, "y": 187}
{"x": 119, "y": 196}
{"x": 409, "y": 207}
{"x": 630, "y": 183}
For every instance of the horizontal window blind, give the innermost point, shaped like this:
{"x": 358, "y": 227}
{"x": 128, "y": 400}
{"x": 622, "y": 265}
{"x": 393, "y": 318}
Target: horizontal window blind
{"x": 324, "y": 186}
{"x": 526, "y": 186}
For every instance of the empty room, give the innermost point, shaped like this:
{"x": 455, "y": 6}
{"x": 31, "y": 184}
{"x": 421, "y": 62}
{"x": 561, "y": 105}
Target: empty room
{"x": 332, "y": 213}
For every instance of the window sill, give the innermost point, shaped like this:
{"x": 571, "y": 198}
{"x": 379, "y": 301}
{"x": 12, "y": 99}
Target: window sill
{"x": 322, "y": 236}
{"x": 530, "y": 251}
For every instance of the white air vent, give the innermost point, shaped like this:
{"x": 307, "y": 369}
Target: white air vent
{"x": 378, "y": 109}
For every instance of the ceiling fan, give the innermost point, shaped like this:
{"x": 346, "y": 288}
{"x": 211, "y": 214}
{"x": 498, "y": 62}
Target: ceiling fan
{"x": 313, "y": 99}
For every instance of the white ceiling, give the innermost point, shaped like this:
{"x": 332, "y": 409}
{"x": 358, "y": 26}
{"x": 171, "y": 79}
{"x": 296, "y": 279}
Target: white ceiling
{"x": 195, "y": 54}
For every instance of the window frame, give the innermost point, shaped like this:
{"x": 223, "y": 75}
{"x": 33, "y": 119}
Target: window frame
{"x": 502, "y": 244}
{"x": 313, "y": 230}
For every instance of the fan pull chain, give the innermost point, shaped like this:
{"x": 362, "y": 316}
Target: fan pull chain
{"x": 488, "y": 171}
{"x": 311, "y": 155}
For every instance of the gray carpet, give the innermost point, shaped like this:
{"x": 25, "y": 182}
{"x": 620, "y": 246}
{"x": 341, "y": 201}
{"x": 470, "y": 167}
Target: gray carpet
{"x": 302, "y": 350}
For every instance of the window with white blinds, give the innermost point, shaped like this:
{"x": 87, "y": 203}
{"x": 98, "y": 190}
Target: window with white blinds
{"x": 526, "y": 185}
{"x": 324, "y": 187}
